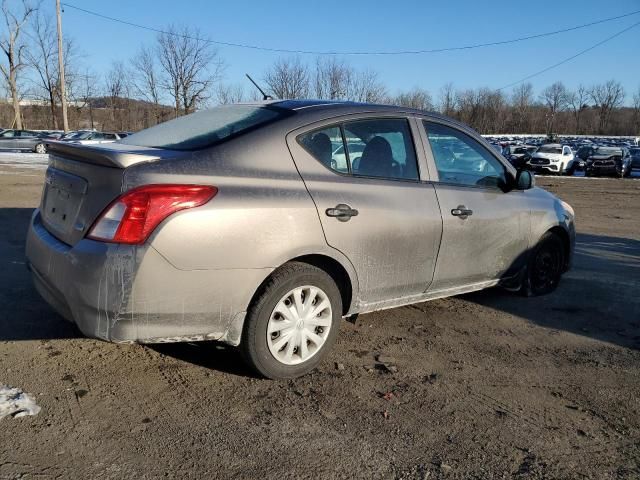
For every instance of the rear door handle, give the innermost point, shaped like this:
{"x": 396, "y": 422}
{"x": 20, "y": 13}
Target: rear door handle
{"x": 342, "y": 212}
{"x": 462, "y": 212}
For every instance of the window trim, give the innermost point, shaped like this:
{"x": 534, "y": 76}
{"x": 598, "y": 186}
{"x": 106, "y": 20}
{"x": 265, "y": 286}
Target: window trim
{"x": 435, "y": 176}
{"x": 339, "y": 123}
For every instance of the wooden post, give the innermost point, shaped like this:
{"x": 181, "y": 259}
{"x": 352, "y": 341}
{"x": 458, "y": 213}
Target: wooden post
{"x": 63, "y": 87}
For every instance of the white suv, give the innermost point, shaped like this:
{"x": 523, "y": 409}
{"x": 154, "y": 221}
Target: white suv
{"x": 553, "y": 158}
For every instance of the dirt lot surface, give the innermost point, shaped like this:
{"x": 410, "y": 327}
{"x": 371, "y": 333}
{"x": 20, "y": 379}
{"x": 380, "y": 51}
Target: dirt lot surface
{"x": 486, "y": 385}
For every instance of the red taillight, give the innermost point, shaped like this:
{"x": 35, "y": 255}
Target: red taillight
{"x": 135, "y": 214}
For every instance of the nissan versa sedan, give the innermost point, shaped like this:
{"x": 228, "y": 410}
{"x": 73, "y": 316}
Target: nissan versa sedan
{"x": 238, "y": 224}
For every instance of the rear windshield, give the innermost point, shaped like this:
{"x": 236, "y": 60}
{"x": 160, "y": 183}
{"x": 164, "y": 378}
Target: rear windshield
{"x": 205, "y": 128}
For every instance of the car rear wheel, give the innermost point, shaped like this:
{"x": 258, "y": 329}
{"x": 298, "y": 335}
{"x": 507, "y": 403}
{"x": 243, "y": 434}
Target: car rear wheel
{"x": 40, "y": 148}
{"x": 293, "y": 322}
{"x": 545, "y": 266}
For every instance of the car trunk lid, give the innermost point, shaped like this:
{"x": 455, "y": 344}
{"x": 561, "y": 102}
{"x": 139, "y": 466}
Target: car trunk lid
{"x": 81, "y": 181}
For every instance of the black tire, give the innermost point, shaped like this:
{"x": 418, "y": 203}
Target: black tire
{"x": 570, "y": 171}
{"x": 254, "y": 346}
{"x": 544, "y": 267}
{"x": 40, "y": 148}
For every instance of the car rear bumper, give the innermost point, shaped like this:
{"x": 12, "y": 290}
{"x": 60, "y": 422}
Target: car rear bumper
{"x": 124, "y": 293}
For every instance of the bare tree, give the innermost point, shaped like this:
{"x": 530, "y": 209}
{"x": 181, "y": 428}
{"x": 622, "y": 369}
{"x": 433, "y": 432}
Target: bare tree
{"x": 332, "y": 78}
{"x": 446, "y": 101}
{"x": 415, "y": 98}
{"x": 15, "y": 19}
{"x": 522, "y": 101}
{"x": 636, "y": 112}
{"x": 578, "y": 103}
{"x": 116, "y": 90}
{"x": 227, "y": 94}
{"x": 555, "y": 98}
{"x": 87, "y": 92}
{"x": 190, "y": 67}
{"x": 288, "y": 78}
{"x": 607, "y": 97}
{"x": 42, "y": 58}
{"x": 365, "y": 86}
{"x": 146, "y": 82}
{"x": 468, "y": 105}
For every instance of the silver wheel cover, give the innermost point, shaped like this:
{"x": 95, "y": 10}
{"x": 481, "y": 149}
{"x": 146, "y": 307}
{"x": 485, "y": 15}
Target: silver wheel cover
{"x": 299, "y": 325}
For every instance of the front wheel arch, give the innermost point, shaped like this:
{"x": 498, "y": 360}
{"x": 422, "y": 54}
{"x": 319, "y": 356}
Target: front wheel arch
{"x": 566, "y": 242}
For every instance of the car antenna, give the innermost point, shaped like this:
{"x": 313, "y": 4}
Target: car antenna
{"x": 264, "y": 95}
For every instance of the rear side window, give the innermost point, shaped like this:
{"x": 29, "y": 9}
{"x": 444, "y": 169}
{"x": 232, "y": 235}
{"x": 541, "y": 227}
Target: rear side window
{"x": 205, "y": 128}
{"x": 370, "y": 148}
{"x": 327, "y": 147}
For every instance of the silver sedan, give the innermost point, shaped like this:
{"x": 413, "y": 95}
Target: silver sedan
{"x": 239, "y": 224}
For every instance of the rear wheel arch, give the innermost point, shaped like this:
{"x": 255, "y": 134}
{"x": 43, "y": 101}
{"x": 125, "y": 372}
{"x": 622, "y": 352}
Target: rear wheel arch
{"x": 330, "y": 265}
{"x": 336, "y": 271}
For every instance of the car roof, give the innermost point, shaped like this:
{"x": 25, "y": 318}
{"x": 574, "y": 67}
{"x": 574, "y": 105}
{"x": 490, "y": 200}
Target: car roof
{"x": 326, "y": 109}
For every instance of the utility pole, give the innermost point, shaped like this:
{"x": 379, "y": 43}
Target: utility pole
{"x": 63, "y": 88}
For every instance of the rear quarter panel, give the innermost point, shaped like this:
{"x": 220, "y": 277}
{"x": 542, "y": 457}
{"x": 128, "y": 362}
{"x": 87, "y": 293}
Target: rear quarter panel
{"x": 261, "y": 217}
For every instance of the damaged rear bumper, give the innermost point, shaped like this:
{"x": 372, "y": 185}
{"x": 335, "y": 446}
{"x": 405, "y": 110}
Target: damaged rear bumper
{"x": 126, "y": 293}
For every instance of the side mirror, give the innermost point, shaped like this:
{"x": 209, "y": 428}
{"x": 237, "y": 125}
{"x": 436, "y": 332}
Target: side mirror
{"x": 525, "y": 180}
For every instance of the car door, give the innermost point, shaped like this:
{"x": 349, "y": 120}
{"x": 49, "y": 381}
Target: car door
{"x": 25, "y": 139}
{"x": 485, "y": 229}
{"x": 7, "y": 139}
{"x": 372, "y": 205}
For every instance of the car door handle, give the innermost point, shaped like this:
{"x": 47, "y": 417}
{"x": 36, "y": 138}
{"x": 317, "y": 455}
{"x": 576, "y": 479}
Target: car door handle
{"x": 462, "y": 212}
{"x": 342, "y": 212}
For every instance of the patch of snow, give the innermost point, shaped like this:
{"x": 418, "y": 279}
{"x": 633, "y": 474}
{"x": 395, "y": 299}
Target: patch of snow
{"x": 16, "y": 403}
{"x": 24, "y": 160}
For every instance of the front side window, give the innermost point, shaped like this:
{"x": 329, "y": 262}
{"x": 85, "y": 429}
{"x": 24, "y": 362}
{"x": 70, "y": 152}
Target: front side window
{"x": 462, "y": 160}
{"x": 369, "y": 148}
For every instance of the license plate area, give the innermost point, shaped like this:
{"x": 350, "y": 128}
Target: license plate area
{"x": 63, "y": 197}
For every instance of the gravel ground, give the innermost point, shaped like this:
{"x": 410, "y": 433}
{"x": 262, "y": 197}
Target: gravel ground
{"x": 485, "y": 385}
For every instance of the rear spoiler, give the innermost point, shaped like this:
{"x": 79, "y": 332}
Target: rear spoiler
{"x": 106, "y": 155}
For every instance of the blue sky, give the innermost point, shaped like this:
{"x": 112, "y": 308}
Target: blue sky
{"x": 377, "y": 25}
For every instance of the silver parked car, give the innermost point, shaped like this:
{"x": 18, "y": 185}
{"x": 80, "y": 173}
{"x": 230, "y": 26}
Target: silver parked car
{"x": 238, "y": 224}
{"x": 28, "y": 140}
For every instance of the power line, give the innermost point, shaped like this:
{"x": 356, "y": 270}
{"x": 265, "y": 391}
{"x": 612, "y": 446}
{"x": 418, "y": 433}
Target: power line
{"x": 602, "y": 42}
{"x": 318, "y": 52}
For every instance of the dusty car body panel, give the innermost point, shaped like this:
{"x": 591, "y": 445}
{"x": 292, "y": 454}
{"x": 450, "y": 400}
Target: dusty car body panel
{"x": 195, "y": 276}
{"x": 393, "y": 241}
{"x": 120, "y": 293}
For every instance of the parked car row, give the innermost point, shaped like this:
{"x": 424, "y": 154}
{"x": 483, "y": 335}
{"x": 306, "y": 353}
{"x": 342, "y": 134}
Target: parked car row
{"x": 593, "y": 156}
{"x": 38, "y": 140}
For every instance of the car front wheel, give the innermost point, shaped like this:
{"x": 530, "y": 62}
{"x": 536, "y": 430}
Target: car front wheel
{"x": 545, "y": 266}
{"x": 41, "y": 148}
{"x": 293, "y": 322}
